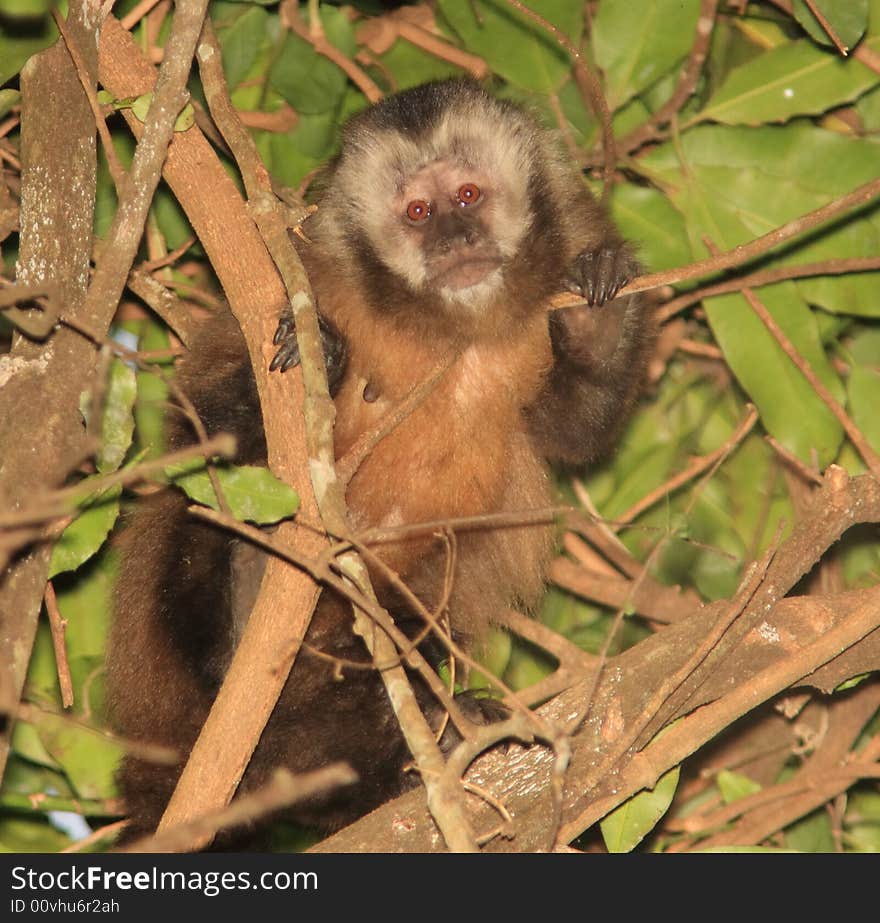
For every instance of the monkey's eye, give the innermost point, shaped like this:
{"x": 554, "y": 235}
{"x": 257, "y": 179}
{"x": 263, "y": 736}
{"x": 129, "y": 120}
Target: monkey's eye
{"x": 468, "y": 194}
{"x": 418, "y": 210}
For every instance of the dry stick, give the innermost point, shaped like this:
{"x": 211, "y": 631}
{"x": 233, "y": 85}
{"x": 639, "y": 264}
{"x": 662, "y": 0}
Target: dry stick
{"x": 768, "y": 277}
{"x": 807, "y": 473}
{"x": 703, "y": 350}
{"x": 446, "y": 801}
{"x": 827, "y": 27}
{"x": 12, "y": 122}
{"x": 137, "y": 13}
{"x": 96, "y": 836}
{"x": 283, "y": 790}
{"x": 814, "y": 773}
{"x": 117, "y": 173}
{"x": 314, "y": 35}
{"x": 435, "y": 46}
{"x": 59, "y": 627}
{"x": 687, "y": 82}
{"x": 161, "y": 299}
{"x": 863, "y": 53}
{"x": 589, "y": 86}
{"x": 828, "y": 772}
{"x": 320, "y": 569}
{"x": 695, "y": 467}
{"x": 872, "y": 459}
{"x": 681, "y": 738}
{"x": 652, "y": 601}
{"x": 167, "y": 259}
{"x": 744, "y": 252}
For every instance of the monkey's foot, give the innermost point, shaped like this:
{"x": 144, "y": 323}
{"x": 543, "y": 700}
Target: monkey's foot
{"x": 479, "y": 709}
{"x": 601, "y": 273}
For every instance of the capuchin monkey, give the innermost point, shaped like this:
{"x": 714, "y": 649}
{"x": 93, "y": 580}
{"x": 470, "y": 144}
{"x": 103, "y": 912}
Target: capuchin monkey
{"x": 442, "y": 229}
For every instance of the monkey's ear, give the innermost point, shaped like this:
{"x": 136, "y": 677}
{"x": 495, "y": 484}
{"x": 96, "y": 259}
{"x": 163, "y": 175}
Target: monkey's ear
{"x": 600, "y": 273}
{"x": 333, "y": 344}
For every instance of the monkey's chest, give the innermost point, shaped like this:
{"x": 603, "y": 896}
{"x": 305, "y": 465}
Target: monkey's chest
{"x": 451, "y": 455}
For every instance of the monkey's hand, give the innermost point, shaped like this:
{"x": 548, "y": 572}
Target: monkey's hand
{"x": 599, "y": 274}
{"x": 583, "y": 335}
{"x": 332, "y": 343}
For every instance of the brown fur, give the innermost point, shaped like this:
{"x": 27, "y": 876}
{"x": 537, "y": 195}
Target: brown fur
{"x": 522, "y": 389}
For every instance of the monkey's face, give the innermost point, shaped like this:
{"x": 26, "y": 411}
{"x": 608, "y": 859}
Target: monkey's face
{"x": 435, "y": 211}
{"x": 444, "y": 218}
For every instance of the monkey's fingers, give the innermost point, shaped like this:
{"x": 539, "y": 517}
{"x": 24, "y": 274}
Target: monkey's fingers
{"x": 285, "y": 338}
{"x": 601, "y": 273}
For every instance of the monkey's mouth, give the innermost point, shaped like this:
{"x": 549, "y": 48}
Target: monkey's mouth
{"x": 458, "y": 274}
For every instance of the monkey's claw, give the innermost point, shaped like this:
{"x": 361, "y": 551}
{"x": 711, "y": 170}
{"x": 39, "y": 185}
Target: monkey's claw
{"x": 285, "y": 338}
{"x": 335, "y": 350}
{"x": 600, "y": 274}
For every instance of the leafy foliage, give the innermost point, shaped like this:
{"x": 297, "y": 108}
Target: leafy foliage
{"x": 776, "y": 124}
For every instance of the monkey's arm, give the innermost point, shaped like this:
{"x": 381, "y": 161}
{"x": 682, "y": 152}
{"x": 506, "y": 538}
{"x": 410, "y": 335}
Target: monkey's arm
{"x": 600, "y": 354}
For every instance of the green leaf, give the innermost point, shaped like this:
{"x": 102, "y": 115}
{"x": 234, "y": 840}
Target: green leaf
{"x": 513, "y": 46}
{"x": 848, "y": 19}
{"x": 87, "y": 533}
{"x": 647, "y": 217}
{"x": 746, "y": 181}
{"x": 294, "y": 154}
{"x": 733, "y": 785}
{"x": 241, "y": 37}
{"x": 33, "y": 834}
{"x": 186, "y": 118}
{"x": 625, "y": 827}
{"x": 88, "y": 758}
{"x": 868, "y": 108}
{"x": 254, "y": 494}
{"x": 863, "y": 387}
{"x": 636, "y": 46}
{"x": 172, "y": 221}
{"x": 140, "y": 105}
{"x": 311, "y": 83}
{"x": 117, "y": 427}
{"x": 8, "y": 99}
{"x": 811, "y": 834}
{"x": 17, "y": 45}
{"x": 25, "y": 9}
{"x": 410, "y": 66}
{"x": 790, "y": 409}
{"x": 152, "y": 392}
{"x": 794, "y": 79}
{"x": 84, "y": 599}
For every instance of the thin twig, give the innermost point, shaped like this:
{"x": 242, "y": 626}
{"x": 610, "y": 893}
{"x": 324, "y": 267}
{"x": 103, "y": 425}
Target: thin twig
{"x": 856, "y": 436}
{"x": 58, "y": 625}
{"x": 695, "y": 467}
{"x": 845, "y": 265}
{"x": 743, "y": 253}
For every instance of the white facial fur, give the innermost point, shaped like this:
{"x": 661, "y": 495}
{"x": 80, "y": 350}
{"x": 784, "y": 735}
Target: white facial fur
{"x": 381, "y": 171}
